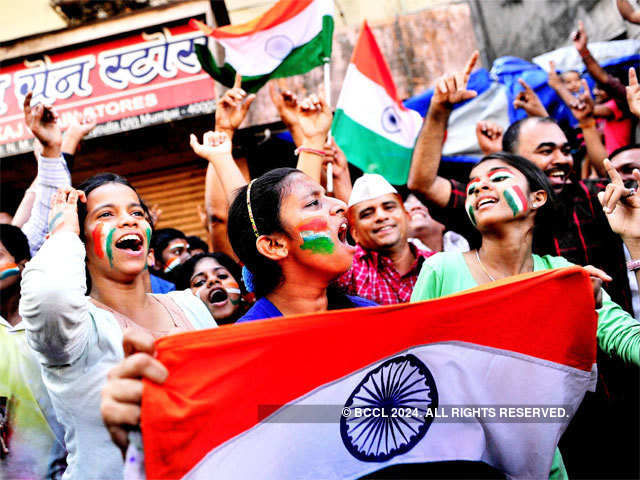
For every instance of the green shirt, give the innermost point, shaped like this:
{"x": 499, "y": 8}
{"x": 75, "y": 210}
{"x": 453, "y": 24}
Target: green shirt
{"x": 447, "y": 272}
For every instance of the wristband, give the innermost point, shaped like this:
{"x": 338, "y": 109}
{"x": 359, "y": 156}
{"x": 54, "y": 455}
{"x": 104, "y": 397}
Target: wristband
{"x": 309, "y": 150}
{"x": 633, "y": 265}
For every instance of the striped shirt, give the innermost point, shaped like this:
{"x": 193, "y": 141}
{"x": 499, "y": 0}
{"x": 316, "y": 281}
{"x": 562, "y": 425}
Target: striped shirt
{"x": 52, "y": 174}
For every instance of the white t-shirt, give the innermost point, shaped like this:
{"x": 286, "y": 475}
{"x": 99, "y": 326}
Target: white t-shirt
{"x": 77, "y": 343}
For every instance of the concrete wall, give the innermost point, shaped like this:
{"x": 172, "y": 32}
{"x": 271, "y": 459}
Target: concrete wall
{"x": 526, "y": 28}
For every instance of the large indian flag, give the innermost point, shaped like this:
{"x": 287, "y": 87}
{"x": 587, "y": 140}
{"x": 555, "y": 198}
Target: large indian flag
{"x": 338, "y": 395}
{"x": 375, "y": 131}
{"x": 291, "y": 38}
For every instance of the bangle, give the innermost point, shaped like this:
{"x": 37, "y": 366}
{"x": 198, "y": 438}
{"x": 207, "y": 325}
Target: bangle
{"x": 310, "y": 150}
{"x": 633, "y": 265}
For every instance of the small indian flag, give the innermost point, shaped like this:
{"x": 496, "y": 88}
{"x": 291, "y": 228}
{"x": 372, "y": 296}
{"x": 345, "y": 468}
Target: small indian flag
{"x": 291, "y": 38}
{"x": 375, "y": 131}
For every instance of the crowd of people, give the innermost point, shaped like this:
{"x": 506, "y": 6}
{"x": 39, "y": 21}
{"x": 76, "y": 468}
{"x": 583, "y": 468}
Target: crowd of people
{"x": 88, "y": 283}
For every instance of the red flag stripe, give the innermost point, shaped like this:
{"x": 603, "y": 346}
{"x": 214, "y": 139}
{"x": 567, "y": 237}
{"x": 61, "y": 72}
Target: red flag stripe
{"x": 370, "y": 62}
{"x": 275, "y": 361}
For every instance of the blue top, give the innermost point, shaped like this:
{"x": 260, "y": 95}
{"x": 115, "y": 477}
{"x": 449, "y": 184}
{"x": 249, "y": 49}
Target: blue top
{"x": 263, "y": 308}
{"x": 160, "y": 285}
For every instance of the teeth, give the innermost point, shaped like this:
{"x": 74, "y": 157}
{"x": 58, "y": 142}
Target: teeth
{"x": 130, "y": 237}
{"x": 485, "y": 202}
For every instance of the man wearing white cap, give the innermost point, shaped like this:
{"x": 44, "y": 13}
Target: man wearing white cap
{"x": 385, "y": 265}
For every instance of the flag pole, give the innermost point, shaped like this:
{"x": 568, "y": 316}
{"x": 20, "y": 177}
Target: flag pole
{"x": 327, "y": 96}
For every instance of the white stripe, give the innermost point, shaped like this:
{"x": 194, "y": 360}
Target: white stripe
{"x": 261, "y": 53}
{"x": 568, "y": 58}
{"x": 491, "y": 105}
{"x": 464, "y": 374}
{"x": 368, "y": 104}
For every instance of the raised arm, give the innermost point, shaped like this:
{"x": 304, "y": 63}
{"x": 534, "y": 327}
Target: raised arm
{"x": 628, "y": 12}
{"x": 52, "y": 169}
{"x": 341, "y": 176}
{"x": 79, "y": 127}
{"x": 53, "y": 305}
{"x": 286, "y": 102}
{"x": 583, "y": 111}
{"x": 314, "y": 117}
{"x": 423, "y": 175}
{"x": 633, "y": 93}
{"x": 216, "y": 149}
{"x": 529, "y": 101}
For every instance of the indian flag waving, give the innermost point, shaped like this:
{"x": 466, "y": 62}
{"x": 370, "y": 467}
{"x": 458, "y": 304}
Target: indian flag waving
{"x": 291, "y": 38}
{"x": 402, "y": 384}
{"x": 375, "y": 131}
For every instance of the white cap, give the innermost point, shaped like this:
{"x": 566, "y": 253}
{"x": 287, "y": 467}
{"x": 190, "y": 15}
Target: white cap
{"x": 368, "y": 187}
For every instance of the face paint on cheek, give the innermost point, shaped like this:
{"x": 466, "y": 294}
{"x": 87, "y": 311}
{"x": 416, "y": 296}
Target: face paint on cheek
{"x": 515, "y": 199}
{"x": 316, "y": 237}
{"x": 96, "y": 235}
{"x": 147, "y": 233}
{"x": 108, "y": 245}
{"x": 10, "y": 270}
{"x": 173, "y": 263}
{"x": 472, "y": 216}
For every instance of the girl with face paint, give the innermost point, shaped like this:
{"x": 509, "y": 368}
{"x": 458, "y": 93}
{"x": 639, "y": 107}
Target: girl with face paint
{"x": 217, "y": 280}
{"x": 510, "y": 202}
{"x": 103, "y": 226}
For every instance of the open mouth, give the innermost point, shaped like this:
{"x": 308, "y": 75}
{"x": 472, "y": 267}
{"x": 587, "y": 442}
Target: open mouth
{"x": 485, "y": 201}
{"x": 557, "y": 175}
{"x": 218, "y": 296}
{"x": 131, "y": 242}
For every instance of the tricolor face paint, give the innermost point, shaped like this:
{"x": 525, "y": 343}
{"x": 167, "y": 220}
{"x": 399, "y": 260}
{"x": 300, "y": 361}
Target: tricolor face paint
{"x": 516, "y": 199}
{"x": 10, "y": 269}
{"x": 171, "y": 264}
{"x": 102, "y": 237}
{"x": 316, "y": 236}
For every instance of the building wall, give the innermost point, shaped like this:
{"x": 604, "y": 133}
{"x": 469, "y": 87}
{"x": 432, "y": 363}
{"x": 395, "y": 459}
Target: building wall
{"x": 526, "y": 28}
{"x": 27, "y": 17}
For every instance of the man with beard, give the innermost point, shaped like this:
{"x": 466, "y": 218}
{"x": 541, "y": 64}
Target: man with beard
{"x": 385, "y": 265}
{"x": 581, "y": 234}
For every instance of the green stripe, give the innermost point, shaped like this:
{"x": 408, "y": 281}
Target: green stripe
{"x": 110, "y": 246}
{"x": 472, "y": 216}
{"x": 299, "y": 61}
{"x": 370, "y": 152}
{"x": 512, "y": 203}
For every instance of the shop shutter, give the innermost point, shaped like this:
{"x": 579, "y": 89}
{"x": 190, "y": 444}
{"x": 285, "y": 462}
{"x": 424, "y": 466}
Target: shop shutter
{"x": 178, "y": 192}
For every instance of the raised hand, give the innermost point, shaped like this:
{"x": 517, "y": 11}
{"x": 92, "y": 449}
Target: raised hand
{"x": 214, "y": 145}
{"x": 79, "y": 126}
{"x": 451, "y": 89}
{"x": 43, "y": 122}
{"x": 554, "y": 79}
{"x": 232, "y": 108}
{"x": 285, "y": 100}
{"x": 529, "y": 101}
{"x": 582, "y": 107}
{"x": 314, "y": 117}
{"x": 621, "y": 204}
{"x": 63, "y": 216}
{"x": 489, "y": 136}
{"x": 633, "y": 93}
{"x": 579, "y": 38}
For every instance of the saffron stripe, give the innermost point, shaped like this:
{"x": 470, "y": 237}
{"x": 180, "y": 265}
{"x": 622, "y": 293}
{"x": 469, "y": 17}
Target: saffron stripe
{"x": 97, "y": 240}
{"x": 314, "y": 225}
{"x": 281, "y": 12}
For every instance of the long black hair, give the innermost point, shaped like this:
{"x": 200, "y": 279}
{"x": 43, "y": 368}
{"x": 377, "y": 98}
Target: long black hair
{"x": 267, "y": 192}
